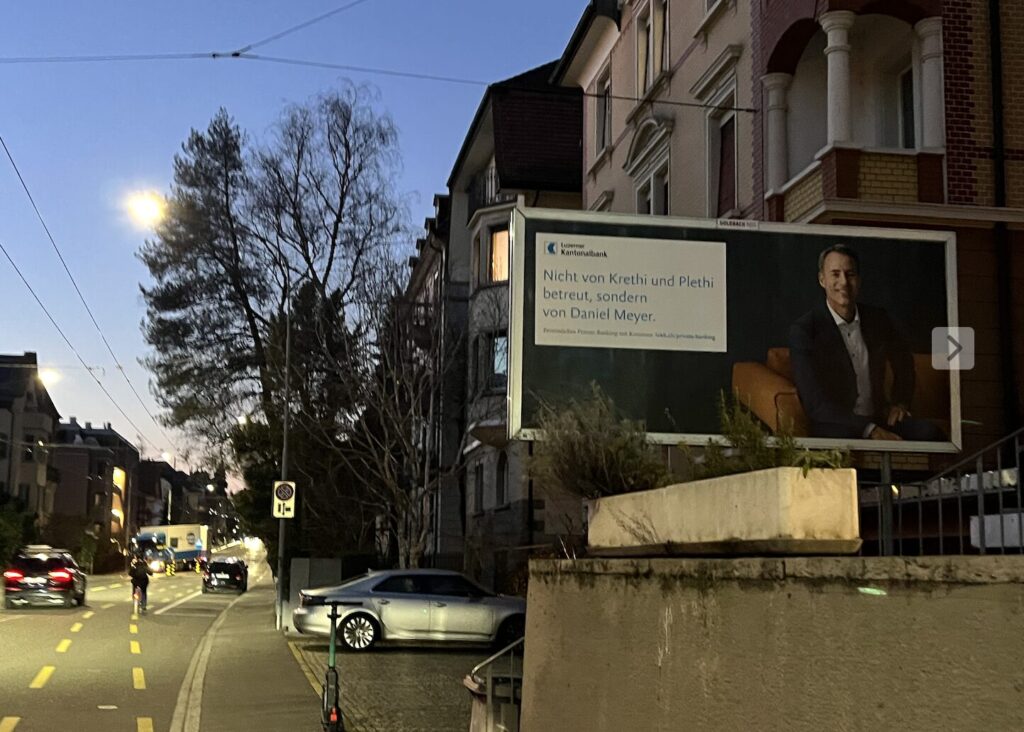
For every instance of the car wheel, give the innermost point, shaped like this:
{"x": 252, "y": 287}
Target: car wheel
{"x": 81, "y": 599}
{"x": 511, "y": 630}
{"x": 205, "y": 589}
{"x": 69, "y": 600}
{"x": 359, "y": 632}
{"x": 8, "y": 604}
{"x": 245, "y": 587}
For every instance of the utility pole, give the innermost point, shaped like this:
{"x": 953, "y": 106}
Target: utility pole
{"x": 284, "y": 453}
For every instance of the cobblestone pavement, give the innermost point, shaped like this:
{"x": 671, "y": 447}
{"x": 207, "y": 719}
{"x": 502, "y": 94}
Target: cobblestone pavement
{"x": 400, "y": 689}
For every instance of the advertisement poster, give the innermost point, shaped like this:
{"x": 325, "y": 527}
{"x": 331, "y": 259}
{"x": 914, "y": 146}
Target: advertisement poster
{"x": 822, "y": 331}
{"x": 630, "y": 293}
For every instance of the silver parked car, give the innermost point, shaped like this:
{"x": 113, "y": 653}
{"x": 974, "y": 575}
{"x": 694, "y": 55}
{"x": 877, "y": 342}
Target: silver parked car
{"x": 411, "y": 605}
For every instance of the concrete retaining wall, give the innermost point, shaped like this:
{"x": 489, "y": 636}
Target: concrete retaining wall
{"x": 775, "y": 644}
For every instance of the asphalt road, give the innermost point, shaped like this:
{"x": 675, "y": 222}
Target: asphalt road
{"x": 100, "y": 668}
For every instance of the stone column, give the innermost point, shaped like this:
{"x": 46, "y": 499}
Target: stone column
{"x": 777, "y": 85}
{"x": 837, "y": 24}
{"x": 933, "y": 128}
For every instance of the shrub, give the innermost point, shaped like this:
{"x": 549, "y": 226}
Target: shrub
{"x": 591, "y": 451}
{"x": 746, "y": 446}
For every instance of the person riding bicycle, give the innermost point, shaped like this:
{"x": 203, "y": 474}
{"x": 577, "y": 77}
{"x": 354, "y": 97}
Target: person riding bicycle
{"x": 140, "y": 572}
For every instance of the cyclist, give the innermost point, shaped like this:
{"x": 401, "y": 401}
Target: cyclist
{"x": 140, "y": 572}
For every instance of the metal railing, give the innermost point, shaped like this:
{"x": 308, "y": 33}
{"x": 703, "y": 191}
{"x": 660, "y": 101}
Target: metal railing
{"x": 973, "y": 507}
{"x": 499, "y": 680}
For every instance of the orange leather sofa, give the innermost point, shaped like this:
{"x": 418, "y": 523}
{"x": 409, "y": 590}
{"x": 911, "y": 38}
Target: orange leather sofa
{"x": 768, "y": 391}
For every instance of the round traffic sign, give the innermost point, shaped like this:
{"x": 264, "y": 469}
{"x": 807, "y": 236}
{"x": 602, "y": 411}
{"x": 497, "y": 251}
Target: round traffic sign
{"x": 284, "y": 492}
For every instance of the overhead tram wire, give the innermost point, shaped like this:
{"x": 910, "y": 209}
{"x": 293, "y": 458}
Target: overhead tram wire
{"x": 81, "y": 297}
{"x": 75, "y": 350}
{"x": 472, "y": 82}
{"x": 245, "y": 55}
{"x": 300, "y": 26}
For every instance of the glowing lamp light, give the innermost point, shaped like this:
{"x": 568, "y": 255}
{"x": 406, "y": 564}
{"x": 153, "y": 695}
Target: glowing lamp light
{"x": 146, "y": 208}
{"x": 49, "y": 377}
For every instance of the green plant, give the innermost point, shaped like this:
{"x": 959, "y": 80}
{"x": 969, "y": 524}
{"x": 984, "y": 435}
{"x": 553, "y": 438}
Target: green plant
{"x": 589, "y": 450}
{"x": 747, "y": 446}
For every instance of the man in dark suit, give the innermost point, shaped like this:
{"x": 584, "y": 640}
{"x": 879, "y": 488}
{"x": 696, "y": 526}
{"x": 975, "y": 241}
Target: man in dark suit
{"x": 839, "y": 352}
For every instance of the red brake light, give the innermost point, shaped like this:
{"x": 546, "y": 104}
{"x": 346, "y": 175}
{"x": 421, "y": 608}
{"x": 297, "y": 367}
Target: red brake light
{"x": 13, "y": 574}
{"x": 61, "y": 575}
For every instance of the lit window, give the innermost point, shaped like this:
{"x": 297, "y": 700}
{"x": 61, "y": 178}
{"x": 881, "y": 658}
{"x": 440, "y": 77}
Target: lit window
{"x": 499, "y": 255}
{"x": 492, "y": 258}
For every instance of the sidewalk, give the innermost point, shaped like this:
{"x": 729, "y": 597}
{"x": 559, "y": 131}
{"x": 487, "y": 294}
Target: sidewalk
{"x": 253, "y": 681}
{"x": 398, "y": 689}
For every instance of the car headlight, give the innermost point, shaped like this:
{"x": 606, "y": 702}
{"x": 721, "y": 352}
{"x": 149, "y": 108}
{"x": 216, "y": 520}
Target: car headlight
{"x": 156, "y": 565}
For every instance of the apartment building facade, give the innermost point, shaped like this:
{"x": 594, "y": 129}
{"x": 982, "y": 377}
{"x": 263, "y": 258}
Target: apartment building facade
{"x": 28, "y": 419}
{"x": 522, "y": 148}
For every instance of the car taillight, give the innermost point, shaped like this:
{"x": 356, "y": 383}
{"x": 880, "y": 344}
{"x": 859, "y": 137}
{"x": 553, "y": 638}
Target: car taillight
{"x": 13, "y": 574}
{"x": 61, "y": 575}
{"x": 308, "y": 600}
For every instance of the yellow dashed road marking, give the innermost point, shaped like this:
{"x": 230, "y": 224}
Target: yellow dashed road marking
{"x": 135, "y": 616}
{"x": 76, "y": 627}
{"x": 143, "y": 724}
{"x": 133, "y": 628}
{"x": 114, "y": 586}
{"x": 7, "y": 724}
{"x": 138, "y": 678}
{"x": 42, "y": 677}
{"x": 87, "y": 614}
{"x": 63, "y": 646}
{"x": 107, "y": 606}
{"x": 136, "y": 648}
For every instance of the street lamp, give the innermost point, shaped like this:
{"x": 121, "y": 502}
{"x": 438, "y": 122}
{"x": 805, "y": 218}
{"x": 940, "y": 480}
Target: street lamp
{"x": 210, "y": 487}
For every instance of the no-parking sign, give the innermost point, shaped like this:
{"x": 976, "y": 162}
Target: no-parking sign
{"x": 284, "y": 499}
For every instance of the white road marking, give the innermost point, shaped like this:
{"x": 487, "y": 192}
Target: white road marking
{"x": 175, "y": 604}
{"x": 188, "y": 710}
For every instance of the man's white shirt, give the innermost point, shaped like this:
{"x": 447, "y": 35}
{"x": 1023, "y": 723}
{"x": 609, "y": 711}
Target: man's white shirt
{"x": 858, "y": 350}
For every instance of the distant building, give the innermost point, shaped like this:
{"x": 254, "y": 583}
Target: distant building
{"x": 98, "y": 471}
{"x": 27, "y": 421}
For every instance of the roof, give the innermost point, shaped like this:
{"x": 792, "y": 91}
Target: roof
{"x": 16, "y": 376}
{"x": 537, "y": 132}
{"x": 595, "y": 9}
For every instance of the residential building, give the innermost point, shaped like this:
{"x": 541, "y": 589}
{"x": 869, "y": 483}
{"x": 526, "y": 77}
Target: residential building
{"x": 27, "y": 421}
{"x": 435, "y": 312}
{"x": 667, "y": 114}
{"x": 851, "y": 112}
{"x": 98, "y": 471}
{"x": 522, "y": 148}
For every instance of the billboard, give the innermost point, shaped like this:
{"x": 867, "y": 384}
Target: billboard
{"x": 823, "y": 330}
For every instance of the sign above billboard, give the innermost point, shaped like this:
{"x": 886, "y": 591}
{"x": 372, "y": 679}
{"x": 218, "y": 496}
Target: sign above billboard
{"x": 822, "y": 330}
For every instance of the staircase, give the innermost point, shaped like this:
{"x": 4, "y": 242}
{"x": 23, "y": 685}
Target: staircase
{"x": 496, "y": 685}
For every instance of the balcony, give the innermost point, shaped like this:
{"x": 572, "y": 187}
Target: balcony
{"x": 485, "y": 190}
{"x": 878, "y": 176}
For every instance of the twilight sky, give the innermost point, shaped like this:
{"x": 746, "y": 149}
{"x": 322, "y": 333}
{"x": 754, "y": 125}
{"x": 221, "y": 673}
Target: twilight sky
{"x": 84, "y": 135}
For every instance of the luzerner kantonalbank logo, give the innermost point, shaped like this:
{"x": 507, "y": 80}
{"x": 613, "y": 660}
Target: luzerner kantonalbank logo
{"x": 569, "y": 249}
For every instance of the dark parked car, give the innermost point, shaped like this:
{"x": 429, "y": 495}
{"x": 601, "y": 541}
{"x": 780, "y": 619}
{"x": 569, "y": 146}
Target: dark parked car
{"x": 225, "y": 574}
{"x": 42, "y": 575}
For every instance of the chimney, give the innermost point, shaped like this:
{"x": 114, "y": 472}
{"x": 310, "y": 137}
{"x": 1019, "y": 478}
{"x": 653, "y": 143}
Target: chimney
{"x": 106, "y": 425}
{"x": 88, "y": 425}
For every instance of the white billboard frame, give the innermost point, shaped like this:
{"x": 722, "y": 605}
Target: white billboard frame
{"x": 517, "y": 242}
